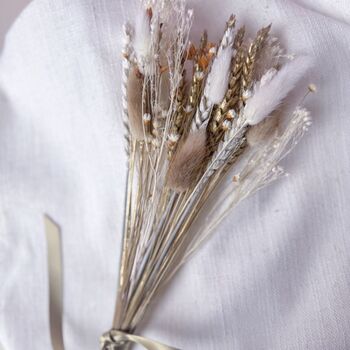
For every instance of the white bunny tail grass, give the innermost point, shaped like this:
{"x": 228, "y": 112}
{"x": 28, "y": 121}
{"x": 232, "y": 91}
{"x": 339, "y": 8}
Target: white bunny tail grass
{"x": 187, "y": 162}
{"x": 218, "y": 78}
{"x": 269, "y": 94}
{"x": 143, "y": 39}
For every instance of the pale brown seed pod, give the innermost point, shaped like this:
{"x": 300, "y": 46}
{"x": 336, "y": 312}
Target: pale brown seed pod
{"x": 263, "y": 131}
{"x": 187, "y": 162}
{"x": 134, "y": 97}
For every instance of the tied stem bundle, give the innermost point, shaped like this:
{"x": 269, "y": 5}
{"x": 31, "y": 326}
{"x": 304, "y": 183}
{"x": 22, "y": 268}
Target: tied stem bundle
{"x": 199, "y": 140}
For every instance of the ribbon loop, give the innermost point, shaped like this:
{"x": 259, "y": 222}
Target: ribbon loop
{"x": 115, "y": 339}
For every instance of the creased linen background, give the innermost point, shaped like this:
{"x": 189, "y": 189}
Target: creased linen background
{"x": 276, "y": 274}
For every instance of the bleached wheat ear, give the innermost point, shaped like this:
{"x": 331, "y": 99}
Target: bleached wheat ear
{"x": 127, "y": 52}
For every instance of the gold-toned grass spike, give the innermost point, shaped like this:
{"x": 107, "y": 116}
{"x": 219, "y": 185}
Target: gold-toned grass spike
{"x": 135, "y": 103}
{"x": 252, "y": 56}
{"x": 239, "y": 38}
{"x": 234, "y": 92}
{"x": 216, "y": 136}
{"x": 231, "y": 21}
{"x": 196, "y": 85}
{"x": 180, "y": 100}
{"x": 232, "y": 95}
{"x": 235, "y": 84}
{"x": 178, "y": 122}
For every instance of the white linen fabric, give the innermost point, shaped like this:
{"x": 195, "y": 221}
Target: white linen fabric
{"x": 276, "y": 275}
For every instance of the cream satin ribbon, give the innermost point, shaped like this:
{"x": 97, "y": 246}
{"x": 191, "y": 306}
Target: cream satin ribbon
{"x": 113, "y": 339}
{"x": 54, "y": 258}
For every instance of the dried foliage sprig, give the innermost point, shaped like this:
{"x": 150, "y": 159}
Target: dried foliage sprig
{"x": 199, "y": 141}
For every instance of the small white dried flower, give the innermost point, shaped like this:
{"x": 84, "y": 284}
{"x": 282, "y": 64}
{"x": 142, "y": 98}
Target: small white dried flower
{"x": 188, "y": 109}
{"x": 212, "y": 50}
{"x": 155, "y": 142}
{"x": 173, "y": 138}
{"x": 246, "y": 94}
{"x": 226, "y": 125}
{"x": 236, "y": 178}
{"x": 231, "y": 114}
{"x": 147, "y": 118}
{"x": 312, "y": 88}
{"x": 199, "y": 75}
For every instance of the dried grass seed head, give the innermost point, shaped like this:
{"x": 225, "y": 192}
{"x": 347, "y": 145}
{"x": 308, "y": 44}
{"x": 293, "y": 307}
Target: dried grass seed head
{"x": 135, "y": 104}
{"x": 142, "y": 38}
{"x": 187, "y": 162}
{"x": 264, "y": 130}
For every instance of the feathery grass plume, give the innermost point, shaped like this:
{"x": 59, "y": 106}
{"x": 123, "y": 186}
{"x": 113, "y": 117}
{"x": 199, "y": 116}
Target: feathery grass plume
{"x": 142, "y": 38}
{"x": 219, "y": 76}
{"x": 273, "y": 88}
{"x": 264, "y": 130}
{"x": 135, "y": 103}
{"x": 187, "y": 162}
{"x": 187, "y": 174}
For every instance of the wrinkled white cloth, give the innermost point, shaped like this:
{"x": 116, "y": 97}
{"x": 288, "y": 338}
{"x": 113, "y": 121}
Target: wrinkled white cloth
{"x": 277, "y": 273}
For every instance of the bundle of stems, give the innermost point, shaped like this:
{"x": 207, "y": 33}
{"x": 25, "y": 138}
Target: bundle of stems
{"x": 206, "y": 126}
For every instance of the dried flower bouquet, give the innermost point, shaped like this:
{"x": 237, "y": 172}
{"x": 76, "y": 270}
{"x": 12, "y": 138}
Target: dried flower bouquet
{"x": 205, "y": 127}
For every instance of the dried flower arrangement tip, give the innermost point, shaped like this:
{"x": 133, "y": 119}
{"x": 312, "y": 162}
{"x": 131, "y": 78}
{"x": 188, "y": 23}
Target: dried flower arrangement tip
{"x": 199, "y": 141}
